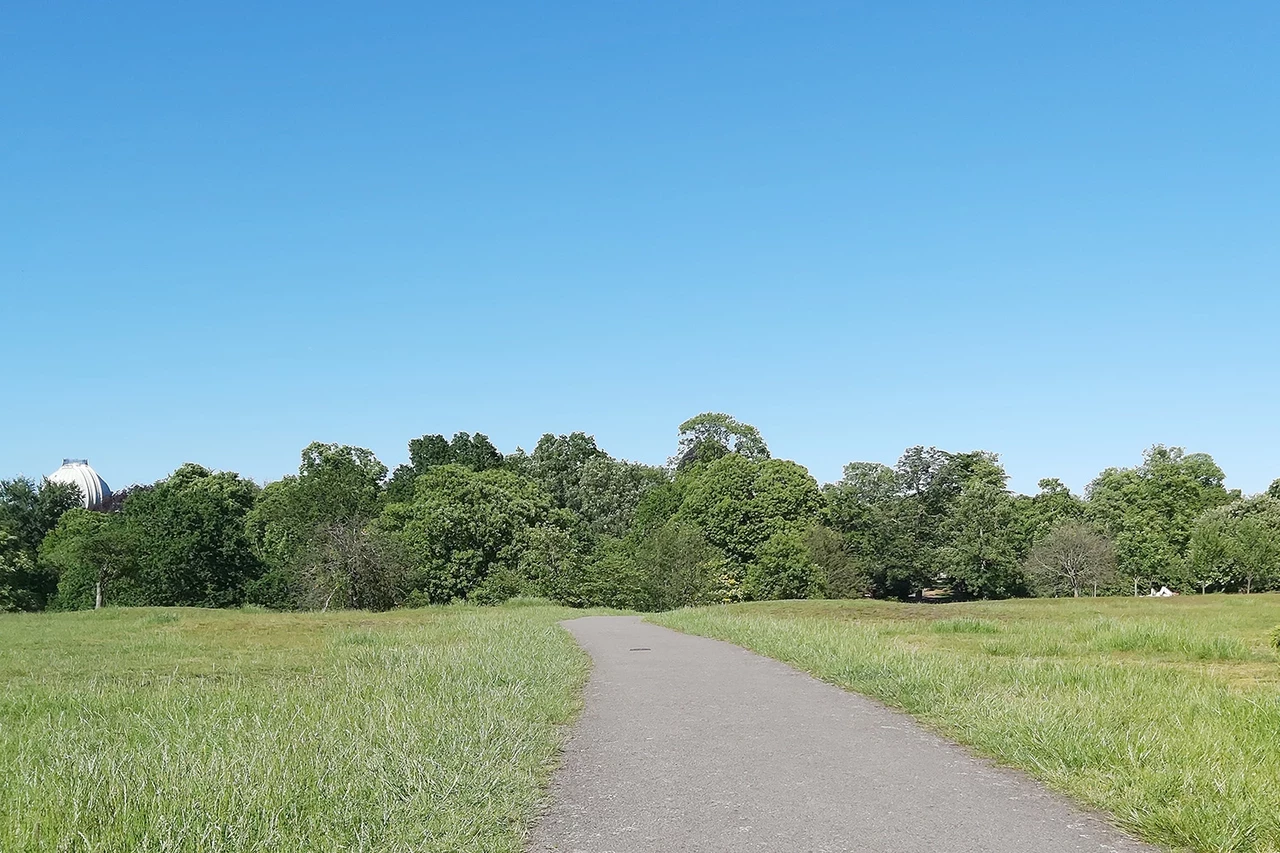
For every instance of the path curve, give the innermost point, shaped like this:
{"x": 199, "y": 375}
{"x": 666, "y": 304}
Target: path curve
{"x": 692, "y": 744}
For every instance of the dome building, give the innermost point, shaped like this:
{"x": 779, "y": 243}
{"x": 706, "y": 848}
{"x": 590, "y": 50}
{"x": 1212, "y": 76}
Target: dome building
{"x": 93, "y": 489}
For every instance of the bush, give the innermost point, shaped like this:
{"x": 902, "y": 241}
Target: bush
{"x": 502, "y": 585}
{"x": 844, "y": 575}
{"x": 609, "y": 579}
{"x": 277, "y": 589}
{"x": 1275, "y": 637}
{"x": 784, "y": 568}
{"x": 678, "y": 566}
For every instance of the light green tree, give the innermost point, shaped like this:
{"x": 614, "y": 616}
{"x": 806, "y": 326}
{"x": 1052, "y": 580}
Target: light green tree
{"x": 739, "y": 503}
{"x": 1149, "y": 511}
{"x": 1237, "y": 546}
{"x": 461, "y": 525}
{"x": 710, "y": 435}
{"x": 94, "y": 557}
{"x": 980, "y": 558}
{"x": 784, "y": 568}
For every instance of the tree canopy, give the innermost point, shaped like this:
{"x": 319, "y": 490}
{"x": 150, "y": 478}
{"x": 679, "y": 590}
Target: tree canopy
{"x": 723, "y": 522}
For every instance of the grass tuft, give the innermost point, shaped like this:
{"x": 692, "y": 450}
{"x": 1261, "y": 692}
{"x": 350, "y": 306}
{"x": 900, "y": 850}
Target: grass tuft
{"x": 966, "y": 625}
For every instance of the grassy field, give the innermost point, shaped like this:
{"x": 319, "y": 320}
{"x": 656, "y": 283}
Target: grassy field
{"x": 204, "y": 730}
{"x": 1164, "y": 713}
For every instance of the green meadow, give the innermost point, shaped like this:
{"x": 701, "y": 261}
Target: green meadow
{"x": 436, "y": 729}
{"x": 221, "y": 730}
{"x": 1163, "y": 713}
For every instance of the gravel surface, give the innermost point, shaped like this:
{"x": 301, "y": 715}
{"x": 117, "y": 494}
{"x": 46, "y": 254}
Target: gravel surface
{"x": 691, "y": 744}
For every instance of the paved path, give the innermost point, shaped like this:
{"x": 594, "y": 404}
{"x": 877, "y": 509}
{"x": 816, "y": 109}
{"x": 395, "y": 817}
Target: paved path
{"x": 690, "y": 744}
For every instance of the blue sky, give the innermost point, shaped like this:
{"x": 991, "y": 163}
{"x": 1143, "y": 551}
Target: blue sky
{"x": 1047, "y": 230}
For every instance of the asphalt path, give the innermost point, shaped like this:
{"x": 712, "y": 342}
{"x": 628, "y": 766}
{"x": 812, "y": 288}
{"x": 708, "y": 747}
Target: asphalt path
{"x": 691, "y": 744}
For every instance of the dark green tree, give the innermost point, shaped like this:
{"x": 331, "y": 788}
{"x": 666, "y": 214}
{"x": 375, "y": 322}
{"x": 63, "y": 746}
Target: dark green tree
{"x": 603, "y": 491}
{"x": 28, "y": 511}
{"x": 1036, "y": 515}
{"x": 15, "y": 562}
{"x": 844, "y": 574}
{"x": 980, "y": 557}
{"x": 431, "y": 451}
{"x": 784, "y": 568}
{"x": 190, "y": 538}
{"x": 679, "y": 566}
{"x": 335, "y": 485}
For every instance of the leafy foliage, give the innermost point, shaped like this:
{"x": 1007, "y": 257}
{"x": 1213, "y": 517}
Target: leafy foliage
{"x": 1237, "y": 546}
{"x": 784, "y": 568}
{"x": 725, "y": 522}
{"x": 711, "y": 435}
{"x": 431, "y": 451}
{"x": 336, "y": 486}
{"x": 28, "y": 512}
{"x": 461, "y": 525}
{"x": 1150, "y": 511}
{"x": 95, "y": 560}
{"x": 189, "y": 539}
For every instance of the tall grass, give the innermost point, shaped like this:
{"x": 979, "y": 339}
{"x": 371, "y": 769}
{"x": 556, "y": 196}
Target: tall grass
{"x": 1165, "y": 714}
{"x": 212, "y": 731}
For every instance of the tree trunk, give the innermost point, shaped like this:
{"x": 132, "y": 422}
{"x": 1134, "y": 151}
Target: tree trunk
{"x": 97, "y": 596}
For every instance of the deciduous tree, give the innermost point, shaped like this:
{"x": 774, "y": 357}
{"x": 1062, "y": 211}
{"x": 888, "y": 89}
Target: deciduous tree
{"x": 710, "y": 435}
{"x": 1072, "y": 557}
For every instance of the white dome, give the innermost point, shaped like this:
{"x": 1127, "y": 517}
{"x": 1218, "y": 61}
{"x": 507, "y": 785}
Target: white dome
{"x": 93, "y": 489}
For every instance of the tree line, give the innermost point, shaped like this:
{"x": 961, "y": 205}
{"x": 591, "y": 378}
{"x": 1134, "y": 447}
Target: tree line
{"x": 722, "y": 521}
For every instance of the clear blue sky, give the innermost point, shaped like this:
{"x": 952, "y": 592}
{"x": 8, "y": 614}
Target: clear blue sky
{"x": 1047, "y": 230}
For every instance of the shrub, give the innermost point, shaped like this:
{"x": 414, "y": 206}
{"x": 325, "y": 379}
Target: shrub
{"x": 502, "y": 585}
{"x": 277, "y": 589}
{"x": 609, "y": 579}
{"x": 677, "y": 565}
{"x": 784, "y": 568}
{"x": 844, "y": 574}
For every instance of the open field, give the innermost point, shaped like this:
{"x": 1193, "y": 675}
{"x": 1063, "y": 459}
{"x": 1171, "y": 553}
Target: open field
{"x": 1164, "y": 713}
{"x": 186, "y": 730}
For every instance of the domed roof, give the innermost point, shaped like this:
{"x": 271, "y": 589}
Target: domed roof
{"x": 93, "y": 489}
